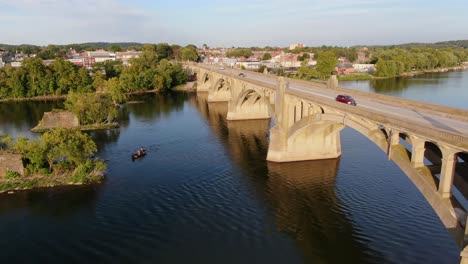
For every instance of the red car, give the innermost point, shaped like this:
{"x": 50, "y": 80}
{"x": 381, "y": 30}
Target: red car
{"x": 345, "y": 99}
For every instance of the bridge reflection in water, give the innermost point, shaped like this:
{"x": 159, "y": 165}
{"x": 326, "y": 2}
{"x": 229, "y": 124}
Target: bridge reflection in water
{"x": 301, "y": 194}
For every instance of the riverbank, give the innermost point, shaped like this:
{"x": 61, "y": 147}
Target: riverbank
{"x": 37, "y": 181}
{"x": 37, "y": 98}
{"x": 414, "y": 73}
{"x": 366, "y": 77}
{"x": 102, "y": 126}
{"x": 189, "y": 86}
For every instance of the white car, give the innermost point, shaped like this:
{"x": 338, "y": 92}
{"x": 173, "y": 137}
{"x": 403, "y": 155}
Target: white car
{"x": 222, "y": 68}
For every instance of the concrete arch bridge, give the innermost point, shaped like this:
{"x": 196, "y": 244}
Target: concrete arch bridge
{"x": 428, "y": 142}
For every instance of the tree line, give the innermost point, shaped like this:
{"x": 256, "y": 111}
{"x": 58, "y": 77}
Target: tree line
{"x": 172, "y": 52}
{"x": 151, "y": 70}
{"x": 396, "y": 61}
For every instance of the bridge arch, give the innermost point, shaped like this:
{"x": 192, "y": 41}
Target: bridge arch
{"x": 220, "y": 90}
{"x": 249, "y": 104}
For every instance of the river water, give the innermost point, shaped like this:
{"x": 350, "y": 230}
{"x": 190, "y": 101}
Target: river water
{"x": 446, "y": 88}
{"x": 205, "y": 194}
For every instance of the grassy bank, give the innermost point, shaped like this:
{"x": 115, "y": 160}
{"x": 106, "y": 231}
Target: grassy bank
{"x": 49, "y": 180}
{"x": 360, "y": 77}
{"x": 37, "y": 98}
{"x": 101, "y": 126}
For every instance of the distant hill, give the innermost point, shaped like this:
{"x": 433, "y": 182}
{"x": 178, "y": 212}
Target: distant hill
{"x": 443, "y": 44}
{"x": 85, "y": 46}
{"x": 105, "y": 45}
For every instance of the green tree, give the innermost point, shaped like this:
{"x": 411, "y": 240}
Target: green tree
{"x": 33, "y": 152}
{"x": 239, "y": 53}
{"x": 115, "y": 91}
{"x": 91, "y": 108}
{"x": 65, "y": 74}
{"x": 326, "y": 63}
{"x": 67, "y": 147}
{"x": 115, "y": 48}
{"x": 266, "y": 56}
{"x": 36, "y": 76}
{"x": 306, "y": 73}
{"x": 164, "y": 51}
{"x": 84, "y": 81}
{"x": 303, "y": 57}
{"x": 5, "y": 142}
{"x": 189, "y": 54}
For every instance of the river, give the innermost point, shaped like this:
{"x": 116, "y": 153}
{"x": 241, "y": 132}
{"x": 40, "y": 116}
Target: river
{"x": 205, "y": 194}
{"x": 445, "y": 88}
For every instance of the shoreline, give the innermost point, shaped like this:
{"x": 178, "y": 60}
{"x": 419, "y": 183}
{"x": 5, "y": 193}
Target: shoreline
{"x": 36, "y": 98}
{"x": 411, "y": 74}
{"x": 40, "y": 181}
{"x": 81, "y": 128}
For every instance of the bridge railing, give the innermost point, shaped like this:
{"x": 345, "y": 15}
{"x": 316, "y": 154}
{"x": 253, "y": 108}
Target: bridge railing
{"x": 436, "y": 135}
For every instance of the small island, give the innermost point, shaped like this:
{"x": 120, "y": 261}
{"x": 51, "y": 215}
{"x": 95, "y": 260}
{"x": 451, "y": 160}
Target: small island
{"x": 59, "y": 157}
{"x": 89, "y": 111}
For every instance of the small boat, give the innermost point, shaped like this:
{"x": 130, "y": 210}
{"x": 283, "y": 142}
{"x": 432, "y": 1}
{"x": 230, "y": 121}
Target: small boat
{"x": 139, "y": 154}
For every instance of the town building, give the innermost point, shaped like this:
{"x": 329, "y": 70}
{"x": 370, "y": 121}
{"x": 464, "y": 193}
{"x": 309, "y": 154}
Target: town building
{"x": 296, "y": 45}
{"x": 364, "y": 68}
{"x": 125, "y": 56}
{"x": 344, "y": 69}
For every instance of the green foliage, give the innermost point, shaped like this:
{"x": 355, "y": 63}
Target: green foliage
{"x": 147, "y": 72}
{"x": 5, "y": 142}
{"x": 91, "y": 108}
{"x": 189, "y": 54}
{"x": 266, "y": 56}
{"x": 261, "y": 68}
{"x": 68, "y": 148}
{"x": 33, "y": 152}
{"x": 239, "y": 53}
{"x": 358, "y": 77}
{"x": 12, "y": 175}
{"x": 304, "y": 57}
{"x": 395, "y": 61}
{"x": 115, "y": 91}
{"x": 306, "y": 73}
{"x": 326, "y": 62}
{"x": 110, "y": 68}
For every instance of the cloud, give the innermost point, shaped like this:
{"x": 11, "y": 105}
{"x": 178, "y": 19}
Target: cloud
{"x": 54, "y": 21}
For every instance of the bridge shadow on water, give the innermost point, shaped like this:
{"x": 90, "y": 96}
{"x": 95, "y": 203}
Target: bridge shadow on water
{"x": 300, "y": 195}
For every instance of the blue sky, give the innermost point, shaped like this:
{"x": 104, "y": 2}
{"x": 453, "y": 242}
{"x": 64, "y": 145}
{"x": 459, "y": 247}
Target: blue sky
{"x": 233, "y": 23}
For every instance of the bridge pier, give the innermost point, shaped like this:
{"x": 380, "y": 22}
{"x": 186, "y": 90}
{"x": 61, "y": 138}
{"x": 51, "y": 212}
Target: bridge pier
{"x": 417, "y": 152}
{"x": 447, "y": 172}
{"x": 318, "y": 141}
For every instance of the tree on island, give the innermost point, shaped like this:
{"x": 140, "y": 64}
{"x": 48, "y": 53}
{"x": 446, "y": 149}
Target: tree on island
{"x": 91, "y": 108}
{"x": 59, "y": 151}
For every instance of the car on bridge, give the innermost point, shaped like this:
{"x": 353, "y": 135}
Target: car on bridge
{"x": 346, "y": 99}
{"x": 241, "y": 74}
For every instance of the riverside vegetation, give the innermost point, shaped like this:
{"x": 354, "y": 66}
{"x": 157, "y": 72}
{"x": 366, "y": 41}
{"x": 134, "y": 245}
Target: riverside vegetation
{"x": 390, "y": 61}
{"x": 59, "y": 157}
{"x": 153, "y": 70}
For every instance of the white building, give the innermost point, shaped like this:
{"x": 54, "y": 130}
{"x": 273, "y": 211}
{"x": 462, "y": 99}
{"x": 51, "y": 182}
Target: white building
{"x": 250, "y": 65}
{"x": 16, "y": 64}
{"x": 364, "y": 67}
{"x": 296, "y": 45}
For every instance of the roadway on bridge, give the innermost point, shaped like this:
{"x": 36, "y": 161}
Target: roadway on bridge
{"x": 424, "y": 119}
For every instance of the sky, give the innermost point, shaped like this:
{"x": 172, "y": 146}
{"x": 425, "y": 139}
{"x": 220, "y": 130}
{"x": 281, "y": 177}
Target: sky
{"x": 239, "y": 23}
